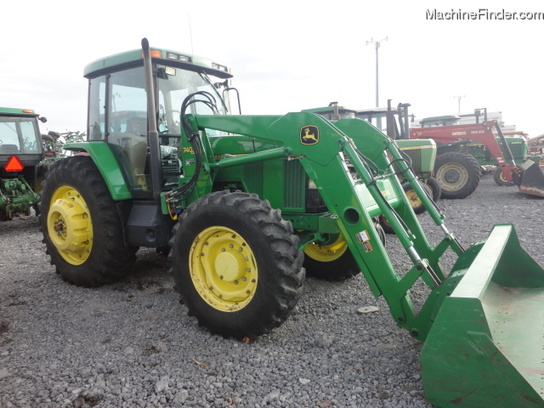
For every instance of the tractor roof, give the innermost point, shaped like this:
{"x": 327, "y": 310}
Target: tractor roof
{"x": 18, "y": 112}
{"x": 134, "y": 58}
{"x": 443, "y": 117}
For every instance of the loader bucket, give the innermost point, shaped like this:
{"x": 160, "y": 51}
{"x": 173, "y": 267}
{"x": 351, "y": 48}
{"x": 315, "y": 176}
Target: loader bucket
{"x": 532, "y": 179}
{"x": 486, "y": 345}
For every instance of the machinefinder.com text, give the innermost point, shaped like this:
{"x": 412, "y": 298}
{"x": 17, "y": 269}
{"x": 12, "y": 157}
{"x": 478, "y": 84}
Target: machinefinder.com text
{"x": 483, "y": 14}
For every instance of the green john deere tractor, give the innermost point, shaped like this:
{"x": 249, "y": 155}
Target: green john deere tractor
{"x": 247, "y": 203}
{"x": 21, "y": 154}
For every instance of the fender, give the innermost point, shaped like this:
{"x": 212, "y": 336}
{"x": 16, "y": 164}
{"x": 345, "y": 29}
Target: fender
{"x": 104, "y": 159}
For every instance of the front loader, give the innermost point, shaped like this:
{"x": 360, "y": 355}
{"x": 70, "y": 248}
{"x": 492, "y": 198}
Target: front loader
{"x": 245, "y": 201}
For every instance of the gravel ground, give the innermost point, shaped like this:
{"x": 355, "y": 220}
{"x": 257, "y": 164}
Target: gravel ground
{"x": 131, "y": 344}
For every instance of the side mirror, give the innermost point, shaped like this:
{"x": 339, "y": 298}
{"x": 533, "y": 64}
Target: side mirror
{"x": 219, "y": 85}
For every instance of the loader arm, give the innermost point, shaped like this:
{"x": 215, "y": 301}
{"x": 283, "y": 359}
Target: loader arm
{"x": 349, "y": 163}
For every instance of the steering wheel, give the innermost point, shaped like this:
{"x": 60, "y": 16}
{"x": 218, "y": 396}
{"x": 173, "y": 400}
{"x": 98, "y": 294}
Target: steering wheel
{"x": 172, "y": 114}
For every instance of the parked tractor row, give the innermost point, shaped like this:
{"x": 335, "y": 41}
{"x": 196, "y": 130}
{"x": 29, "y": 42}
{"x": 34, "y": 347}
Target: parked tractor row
{"x": 463, "y": 149}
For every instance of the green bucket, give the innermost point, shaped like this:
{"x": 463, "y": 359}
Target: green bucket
{"x": 532, "y": 179}
{"x": 486, "y": 346}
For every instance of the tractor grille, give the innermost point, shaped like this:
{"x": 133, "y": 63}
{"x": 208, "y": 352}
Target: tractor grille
{"x": 294, "y": 182}
{"x": 415, "y": 157}
{"x": 253, "y": 176}
{"x": 297, "y": 194}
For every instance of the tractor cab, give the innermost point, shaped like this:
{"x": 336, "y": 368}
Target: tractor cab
{"x": 20, "y": 136}
{"x": 118, "y": 111}
{"x": 21, "y": 151}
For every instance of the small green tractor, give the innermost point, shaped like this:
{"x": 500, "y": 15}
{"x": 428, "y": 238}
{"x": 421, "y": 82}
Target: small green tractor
{"x": 248, "y": 204}
{"x": 21, "y": 154}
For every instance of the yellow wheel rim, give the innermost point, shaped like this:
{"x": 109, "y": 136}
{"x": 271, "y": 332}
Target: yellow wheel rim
{"x": 452, "y": 176}
{"x": 69, "y": 225}
{"x": 326, "y": 253}
{"x": 223, "y": 269}
{"x": 414, "y": 199}
{"x": 502, "y": 178}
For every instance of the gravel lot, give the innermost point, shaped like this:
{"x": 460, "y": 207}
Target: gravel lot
{"x": 131, "y": 344}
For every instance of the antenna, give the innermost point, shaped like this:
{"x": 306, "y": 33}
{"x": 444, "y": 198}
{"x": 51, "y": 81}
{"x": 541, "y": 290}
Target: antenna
{"x": 191, "y": 33}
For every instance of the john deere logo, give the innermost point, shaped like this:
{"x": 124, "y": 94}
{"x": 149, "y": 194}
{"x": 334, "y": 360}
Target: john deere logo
{"x": 309, "y": 135}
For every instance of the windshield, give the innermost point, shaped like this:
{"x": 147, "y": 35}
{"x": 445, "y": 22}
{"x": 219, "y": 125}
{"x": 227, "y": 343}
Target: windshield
{"x": 174, "y": 86}
{"x": 19, "y": 135}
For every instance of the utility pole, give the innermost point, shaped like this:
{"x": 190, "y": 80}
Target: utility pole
{"x": 377, "y": 45}
{"x": 459, "y": 103}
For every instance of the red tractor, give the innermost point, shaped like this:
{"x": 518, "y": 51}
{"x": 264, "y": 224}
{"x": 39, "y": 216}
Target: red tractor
{"x": 456, "y": 168}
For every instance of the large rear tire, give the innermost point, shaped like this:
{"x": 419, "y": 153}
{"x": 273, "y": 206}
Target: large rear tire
{"x": 82, "y": 230}
{"x": 457, "y": 173}
{"x": 237, "y": 264}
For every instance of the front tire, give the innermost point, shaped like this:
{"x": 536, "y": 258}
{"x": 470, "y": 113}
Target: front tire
{"x": 331, "y": 261}
{"x": 415, "y": 201}
{"x": 500, "y": 180}
{"x": 435, "y": 188}
{"x": 457, "y": 173}
{"x": 82, "y": 230}
{"x": 236, "y": 264}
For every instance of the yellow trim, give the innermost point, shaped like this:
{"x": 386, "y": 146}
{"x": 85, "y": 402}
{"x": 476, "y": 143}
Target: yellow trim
{"x": 417, "y": 147}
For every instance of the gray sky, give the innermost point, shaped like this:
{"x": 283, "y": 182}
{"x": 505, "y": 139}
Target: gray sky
{"x": 289, "y": 55}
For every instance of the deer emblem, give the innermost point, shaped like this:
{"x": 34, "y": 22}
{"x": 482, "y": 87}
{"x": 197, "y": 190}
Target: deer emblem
{"x": 309, "y": 135}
